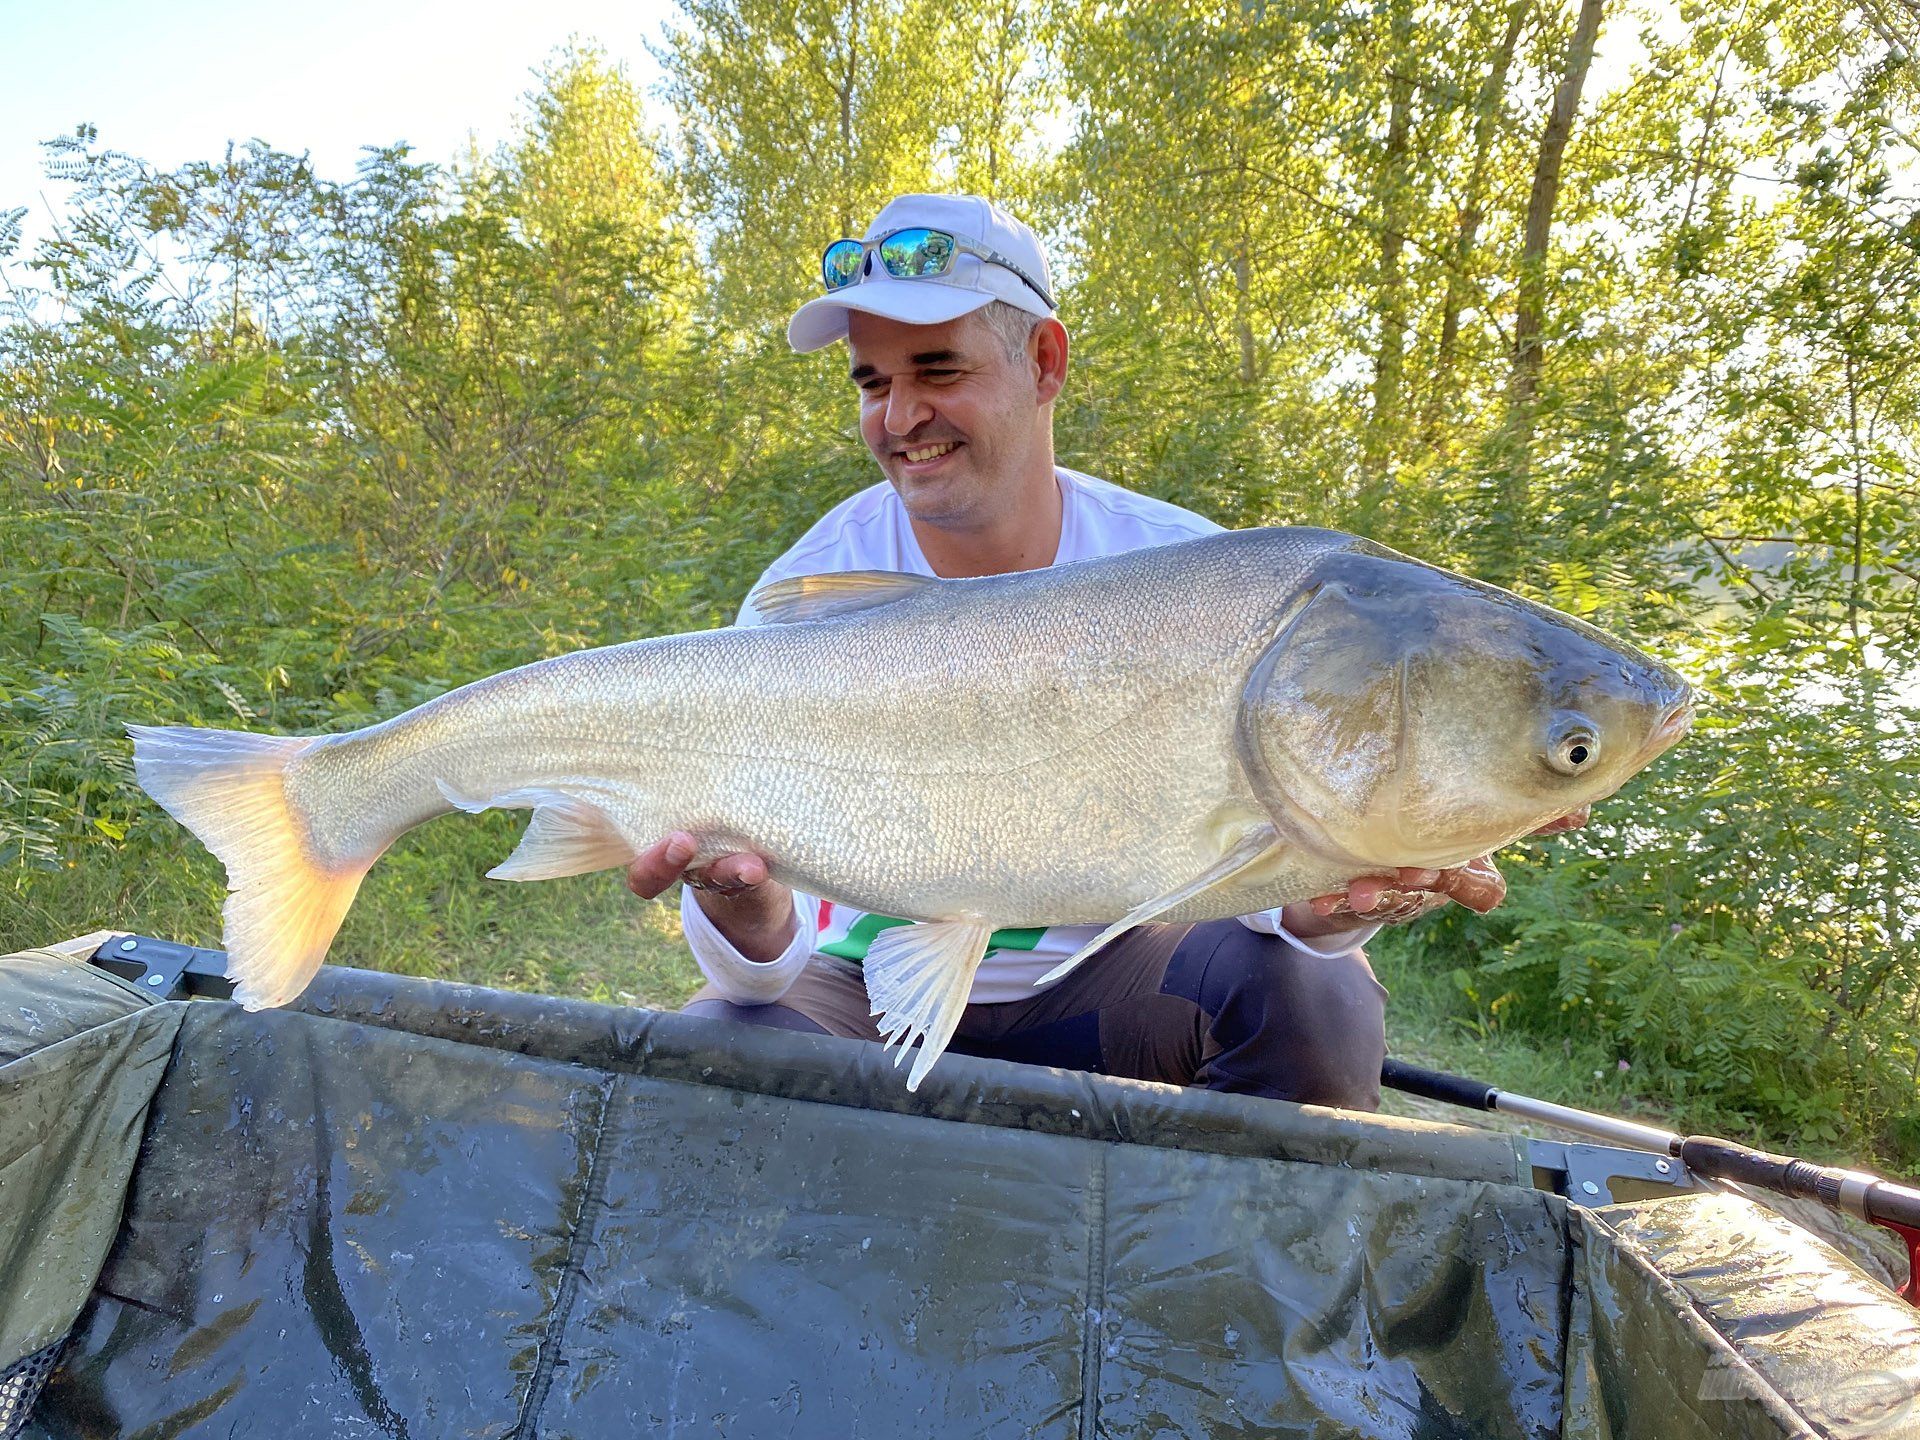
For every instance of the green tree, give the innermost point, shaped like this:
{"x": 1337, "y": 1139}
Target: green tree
{"x": 296, "y": 453}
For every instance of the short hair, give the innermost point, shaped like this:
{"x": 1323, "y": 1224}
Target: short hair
{"x": 1010, "y": 324}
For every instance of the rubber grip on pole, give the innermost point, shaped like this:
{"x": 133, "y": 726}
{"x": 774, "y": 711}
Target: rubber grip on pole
{"x": 1434, "y": 1085}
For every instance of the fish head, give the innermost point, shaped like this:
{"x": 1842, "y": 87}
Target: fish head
{"x": 1404, "y": 715}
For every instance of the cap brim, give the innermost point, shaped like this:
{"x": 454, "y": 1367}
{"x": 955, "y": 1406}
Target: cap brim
{"x": 823, "y": 319}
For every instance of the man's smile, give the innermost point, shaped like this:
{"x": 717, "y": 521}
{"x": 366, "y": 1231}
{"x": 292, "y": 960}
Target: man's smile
{"x": 919, "y": 459}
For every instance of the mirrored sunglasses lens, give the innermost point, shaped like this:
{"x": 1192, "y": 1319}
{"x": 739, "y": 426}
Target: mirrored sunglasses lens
{"x": 840, "y": 266}
{"x": 917, "y": 252}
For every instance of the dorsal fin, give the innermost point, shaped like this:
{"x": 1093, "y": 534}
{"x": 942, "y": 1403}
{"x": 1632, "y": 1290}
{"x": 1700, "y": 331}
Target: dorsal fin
{"x": 815, "y": 597}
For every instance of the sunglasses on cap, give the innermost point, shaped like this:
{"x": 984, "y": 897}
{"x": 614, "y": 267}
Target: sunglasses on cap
{"x": 913, "y": 254}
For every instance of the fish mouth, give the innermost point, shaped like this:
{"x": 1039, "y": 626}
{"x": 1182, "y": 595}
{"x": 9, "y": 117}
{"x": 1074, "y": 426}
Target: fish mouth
{"x": 1673, "y": 724}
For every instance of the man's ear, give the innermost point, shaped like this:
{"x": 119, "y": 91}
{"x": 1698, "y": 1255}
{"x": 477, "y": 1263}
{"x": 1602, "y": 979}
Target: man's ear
{"x": 1047, "y": 351}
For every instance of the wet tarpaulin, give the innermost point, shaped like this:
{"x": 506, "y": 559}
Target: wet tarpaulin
{"x": 417, "y": 1209}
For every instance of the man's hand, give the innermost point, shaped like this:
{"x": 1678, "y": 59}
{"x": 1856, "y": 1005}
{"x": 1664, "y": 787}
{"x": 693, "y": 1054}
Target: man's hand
{"x": 754, "y": 912}
{"x": 1396, "y": 899}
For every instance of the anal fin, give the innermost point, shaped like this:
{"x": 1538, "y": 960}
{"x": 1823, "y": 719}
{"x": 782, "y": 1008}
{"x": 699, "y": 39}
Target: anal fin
{"x": 568, "y": 834}
{"x": 1251, "y": 847}
{"x": 918, "y": 978}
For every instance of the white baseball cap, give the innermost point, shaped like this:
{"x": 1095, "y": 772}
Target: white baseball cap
{"x": 931, "y": 300}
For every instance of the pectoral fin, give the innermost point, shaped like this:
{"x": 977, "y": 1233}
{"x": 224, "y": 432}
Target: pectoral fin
{"x": 568, "y": 835}
{"x": 918, "y": 978}
{"x": 1257, "y": 843}
{"x": 816, "y": 597}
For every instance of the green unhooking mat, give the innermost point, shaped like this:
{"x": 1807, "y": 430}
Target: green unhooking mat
{"x": 419, "y": 1210}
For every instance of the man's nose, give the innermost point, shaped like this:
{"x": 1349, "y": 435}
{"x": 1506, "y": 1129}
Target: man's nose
{"x": 907, "y": 410}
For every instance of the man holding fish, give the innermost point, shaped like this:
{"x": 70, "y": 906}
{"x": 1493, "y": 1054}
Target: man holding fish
{"x": 947, "y": 312}
{"x": 980, "y": 722}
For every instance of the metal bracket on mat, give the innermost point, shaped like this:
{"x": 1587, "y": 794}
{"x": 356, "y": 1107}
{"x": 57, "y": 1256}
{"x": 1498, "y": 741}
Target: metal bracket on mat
{"x": 1589, "y": 1174}
{"x": 165, "y": 969}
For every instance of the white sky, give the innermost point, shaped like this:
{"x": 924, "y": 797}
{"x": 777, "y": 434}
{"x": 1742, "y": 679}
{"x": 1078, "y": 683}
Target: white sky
{"x": 175, "y": 80}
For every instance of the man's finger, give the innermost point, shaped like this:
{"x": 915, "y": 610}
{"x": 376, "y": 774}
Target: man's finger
{"x": 659, "y": 865}
{"x": 1362, "y": 892}
{"x": 731, "y": 873}
{"x": 1572, "y": 820}
{"x": 1478, "y": 885}
{"x": 1414, "y": 890}
{"x": 1397, "y": 907}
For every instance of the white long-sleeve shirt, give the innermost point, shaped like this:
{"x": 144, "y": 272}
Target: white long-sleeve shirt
{"x": 871, "y": 531}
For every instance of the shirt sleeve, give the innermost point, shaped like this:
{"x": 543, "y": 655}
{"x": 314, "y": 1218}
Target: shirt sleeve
{"x": 744, "y": 981}
{"x": 1324, "y": 947}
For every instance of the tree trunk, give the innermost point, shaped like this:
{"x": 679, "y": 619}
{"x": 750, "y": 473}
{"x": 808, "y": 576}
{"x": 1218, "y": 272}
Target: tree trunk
{"x": 1391, "y": 296}
{"x": 846, "y": 118}
{"x": 1854, "y": 592}
{"x": 1523, "y": 385}
{"x": 1243, "y": 279}
{"x": 1003, "y": 76}
{"x": 1487, "y": 107}
{"x": 1243, "y": 311}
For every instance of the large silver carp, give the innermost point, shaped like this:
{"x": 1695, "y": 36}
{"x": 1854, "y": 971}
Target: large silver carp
{"x": 1189, "y": 732}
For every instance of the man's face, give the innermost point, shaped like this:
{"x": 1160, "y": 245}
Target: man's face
{"x": 950, "y": 416}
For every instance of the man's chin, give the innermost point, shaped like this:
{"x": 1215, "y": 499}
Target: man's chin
{"x": 933, "y": 499}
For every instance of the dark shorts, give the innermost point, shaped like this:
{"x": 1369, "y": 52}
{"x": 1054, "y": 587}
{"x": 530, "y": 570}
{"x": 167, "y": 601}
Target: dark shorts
{"x": 1213, "y": 1005}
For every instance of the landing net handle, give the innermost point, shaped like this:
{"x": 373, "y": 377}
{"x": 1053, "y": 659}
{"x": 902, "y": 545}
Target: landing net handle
{"x": 1889, "y": 1205}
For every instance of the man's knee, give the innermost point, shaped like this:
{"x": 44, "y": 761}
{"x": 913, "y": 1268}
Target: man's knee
{"x": 1282, "y": 1022}
{"x": 773, "y": 1017}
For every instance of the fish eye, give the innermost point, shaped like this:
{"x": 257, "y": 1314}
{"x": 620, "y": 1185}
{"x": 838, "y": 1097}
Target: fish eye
{"x": 1573, "y": 747}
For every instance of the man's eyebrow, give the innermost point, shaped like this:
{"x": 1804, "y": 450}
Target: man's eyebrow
{"x": 924, "y": 358}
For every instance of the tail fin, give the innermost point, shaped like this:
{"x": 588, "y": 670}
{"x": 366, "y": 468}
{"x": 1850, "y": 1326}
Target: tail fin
{"x": 229, "y": 789}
